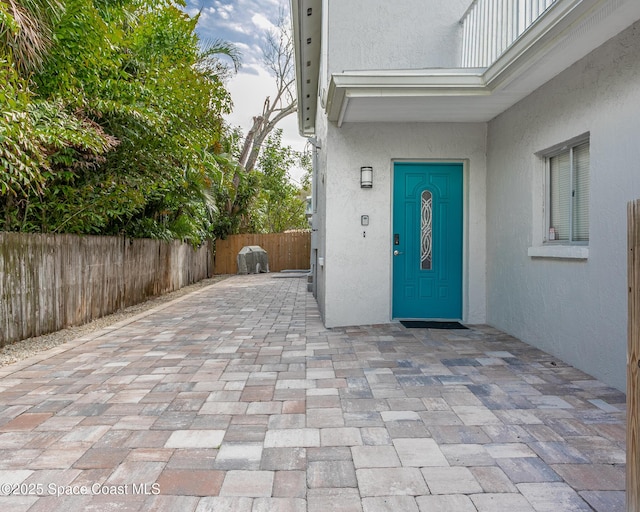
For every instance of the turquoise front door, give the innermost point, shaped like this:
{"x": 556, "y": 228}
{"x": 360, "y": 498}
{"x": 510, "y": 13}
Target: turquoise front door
{"x": 427, "y": 240}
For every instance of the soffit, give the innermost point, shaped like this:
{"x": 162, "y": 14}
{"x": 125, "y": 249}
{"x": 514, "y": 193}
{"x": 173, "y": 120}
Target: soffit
{"x": 307, "y": 30}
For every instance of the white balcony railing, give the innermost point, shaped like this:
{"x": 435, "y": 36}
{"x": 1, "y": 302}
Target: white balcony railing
{"x": 489, "y": 27}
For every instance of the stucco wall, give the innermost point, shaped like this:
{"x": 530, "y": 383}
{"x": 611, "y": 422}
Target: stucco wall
{"x": 357, "y": 271}
{"x": 575, "y": 309}
{"x": 379, "y": 34}
{"x": 319, "y": 214}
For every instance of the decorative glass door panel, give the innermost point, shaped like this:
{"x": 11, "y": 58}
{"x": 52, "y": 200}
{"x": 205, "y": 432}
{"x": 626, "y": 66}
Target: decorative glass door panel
{"x": 426, "y": 231}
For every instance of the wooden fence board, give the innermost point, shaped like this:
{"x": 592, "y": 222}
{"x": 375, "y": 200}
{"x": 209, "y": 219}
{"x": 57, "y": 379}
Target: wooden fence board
{"x": 285, "y": 251}
{"x": 633, "y": 360}
{"x": 49, "y": 282}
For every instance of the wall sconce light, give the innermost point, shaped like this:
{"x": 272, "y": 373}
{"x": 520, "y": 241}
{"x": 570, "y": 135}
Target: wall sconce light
{"x": 366, "y": 177}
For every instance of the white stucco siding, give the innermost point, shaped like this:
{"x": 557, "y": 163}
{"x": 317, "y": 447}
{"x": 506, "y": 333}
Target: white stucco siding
{"x": 357, "y": 268}
{"x": 574, "y": 309}
{"x": 320, "y": 212}
{"x": 378, "y": 34}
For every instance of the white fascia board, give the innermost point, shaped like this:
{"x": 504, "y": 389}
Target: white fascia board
{"x": 418, "y": 77}
{"x": 402, "y": 83}
{"x": 537, "y": 40}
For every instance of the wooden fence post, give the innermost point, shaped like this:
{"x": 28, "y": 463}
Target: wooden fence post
{"x": 633, "y": 360}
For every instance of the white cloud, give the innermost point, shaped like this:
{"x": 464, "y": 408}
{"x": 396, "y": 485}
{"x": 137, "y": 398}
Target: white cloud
{"x": 244, "y": 47}
{"x": 238, "y": 27}
{"x": 262, "y": 23}
{"x": 249, "y": 91}
{"x": 205, "y": 16}
{"x": 226, "y": 11}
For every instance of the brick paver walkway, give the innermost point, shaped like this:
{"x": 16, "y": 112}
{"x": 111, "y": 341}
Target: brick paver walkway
{"x": 236, "y": 398}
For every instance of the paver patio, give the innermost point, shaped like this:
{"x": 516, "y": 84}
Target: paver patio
{"x": 236, "y": 398}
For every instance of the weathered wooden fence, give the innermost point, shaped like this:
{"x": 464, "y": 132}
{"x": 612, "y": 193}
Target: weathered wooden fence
{"x": 633, "y": 361}
{"x": 285, "y": 251}
{"x": 49, "y": 282}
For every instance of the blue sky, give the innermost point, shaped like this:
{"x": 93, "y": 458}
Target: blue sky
{"x": 245, "y": 23}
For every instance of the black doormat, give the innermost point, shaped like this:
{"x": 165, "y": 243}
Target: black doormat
{"x": 422, "y": 324}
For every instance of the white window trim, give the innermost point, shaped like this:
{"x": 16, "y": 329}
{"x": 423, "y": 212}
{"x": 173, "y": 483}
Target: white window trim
{"x": 555, "y": 249}
{"x": 568, "y": 252}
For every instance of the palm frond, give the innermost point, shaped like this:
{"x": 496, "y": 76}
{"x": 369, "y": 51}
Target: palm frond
{"x": 215, "y": 48}
{"x": 29, "y": 38}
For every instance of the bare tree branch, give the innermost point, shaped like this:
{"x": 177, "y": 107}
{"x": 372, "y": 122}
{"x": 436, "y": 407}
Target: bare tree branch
{"x": 266, "y": 128}
{"x": 278, "y": 58}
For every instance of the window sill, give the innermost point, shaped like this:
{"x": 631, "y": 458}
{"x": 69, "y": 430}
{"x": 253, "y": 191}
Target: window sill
{"x": 567, "y": 252}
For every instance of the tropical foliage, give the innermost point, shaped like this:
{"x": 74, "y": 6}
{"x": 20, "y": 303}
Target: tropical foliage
{"x": 280, "y": 205}
{"x": 111, "y": 122}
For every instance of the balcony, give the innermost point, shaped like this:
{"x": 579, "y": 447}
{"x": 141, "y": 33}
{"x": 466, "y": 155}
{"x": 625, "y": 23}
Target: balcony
{"x": 489, "y": 27}
{"x": 509, "y": 48}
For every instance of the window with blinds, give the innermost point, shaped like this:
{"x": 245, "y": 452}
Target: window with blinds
{"x": 568, "y": 193}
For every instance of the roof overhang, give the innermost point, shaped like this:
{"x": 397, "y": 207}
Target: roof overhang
{"x": 566, "y": 32}
{"x": 307, "y": 30}
{"x": 407, "y": 95}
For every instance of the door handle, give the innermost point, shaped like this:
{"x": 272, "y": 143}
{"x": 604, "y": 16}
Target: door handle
{"x": 396, "y": 252}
